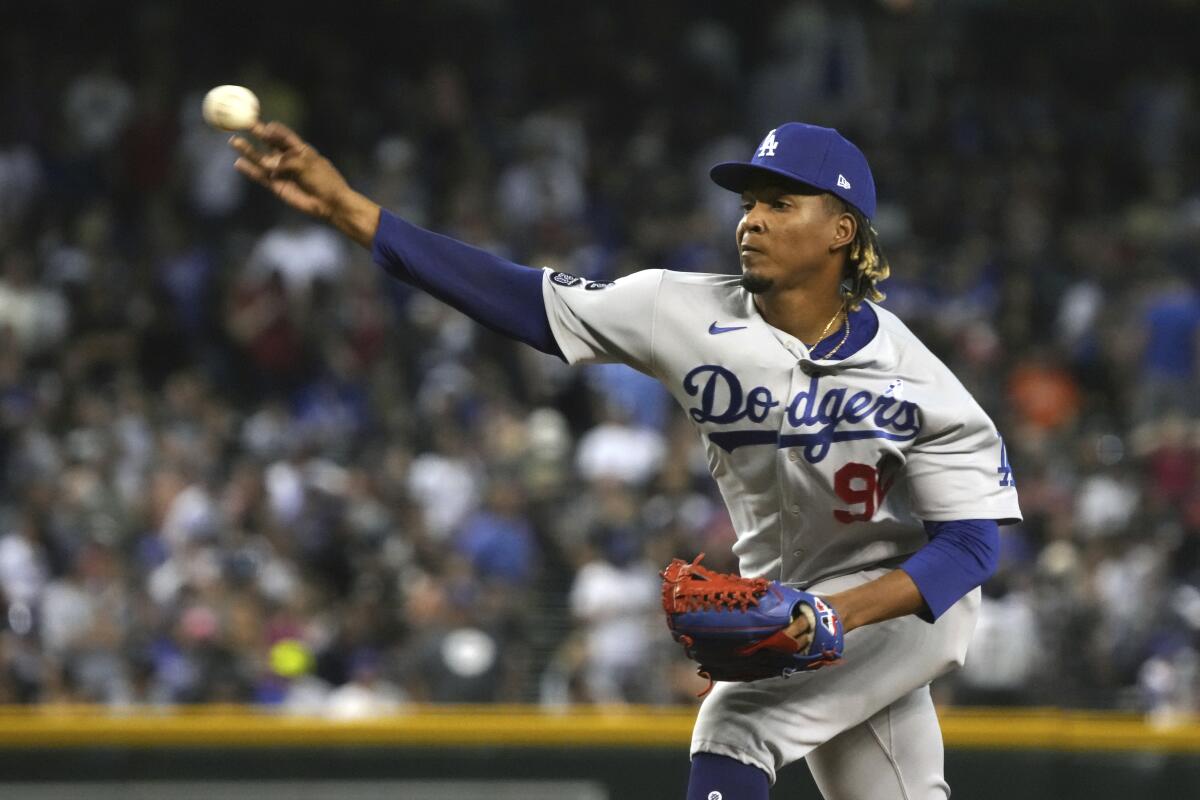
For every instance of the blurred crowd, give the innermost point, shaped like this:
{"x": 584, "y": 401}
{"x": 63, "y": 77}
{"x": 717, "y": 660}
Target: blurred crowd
{"x": 240, "y": 464}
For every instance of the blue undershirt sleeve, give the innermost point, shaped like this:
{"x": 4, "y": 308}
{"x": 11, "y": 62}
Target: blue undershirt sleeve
{"x": 960, "y": 555}
{"x": 498, "y": 294}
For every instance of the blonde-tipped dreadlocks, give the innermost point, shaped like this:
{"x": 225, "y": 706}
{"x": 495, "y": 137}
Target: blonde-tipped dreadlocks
{"x": 866, "y": 266}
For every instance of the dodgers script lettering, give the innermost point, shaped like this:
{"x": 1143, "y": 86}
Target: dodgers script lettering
{"x": 817, "y": 418}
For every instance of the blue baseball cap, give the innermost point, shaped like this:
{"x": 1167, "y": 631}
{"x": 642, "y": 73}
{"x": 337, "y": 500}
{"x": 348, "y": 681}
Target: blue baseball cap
{"x": 812, "y": 155}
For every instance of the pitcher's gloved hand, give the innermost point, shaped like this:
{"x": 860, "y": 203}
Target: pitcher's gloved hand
{"x": 735, "y": 628}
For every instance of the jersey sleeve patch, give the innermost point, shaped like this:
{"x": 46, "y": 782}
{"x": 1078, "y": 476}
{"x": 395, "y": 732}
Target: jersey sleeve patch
{"x": 594, "y": 326}
{"x": 565, "y": 279}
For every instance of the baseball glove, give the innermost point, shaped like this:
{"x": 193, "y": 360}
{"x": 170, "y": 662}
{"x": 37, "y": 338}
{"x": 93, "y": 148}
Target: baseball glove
{"x": 734, "y": 626}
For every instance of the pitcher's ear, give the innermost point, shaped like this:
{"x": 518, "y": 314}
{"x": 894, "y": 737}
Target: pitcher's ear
{"x": 844, "y": 231}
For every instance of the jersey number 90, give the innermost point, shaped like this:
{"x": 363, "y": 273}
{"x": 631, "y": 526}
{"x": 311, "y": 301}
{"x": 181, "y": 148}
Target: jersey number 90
{"x": 859, "y": 487}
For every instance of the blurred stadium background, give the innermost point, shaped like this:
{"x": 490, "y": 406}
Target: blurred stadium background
{"x": 268, "y": 517}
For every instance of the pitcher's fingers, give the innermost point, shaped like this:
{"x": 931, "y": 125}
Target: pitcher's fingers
{"x": 290, "y": 162}
{"x": 247, "y": 150}
{"x": 253, "y": 171}
{"x": 270, "y": 162}
{"x": 277, "y": 135}
{"x": 267, "y": 161}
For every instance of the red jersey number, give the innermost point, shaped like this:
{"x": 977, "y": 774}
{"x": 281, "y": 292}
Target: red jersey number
{"x": 855, "y": 484}
{"x": 859, "y": 488}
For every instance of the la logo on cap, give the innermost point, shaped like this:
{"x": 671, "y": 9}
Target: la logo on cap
{"x": 767, "y": 148}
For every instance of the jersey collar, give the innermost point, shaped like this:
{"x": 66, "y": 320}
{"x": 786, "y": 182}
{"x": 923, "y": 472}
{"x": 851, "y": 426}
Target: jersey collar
{"x": 859, "y": 348}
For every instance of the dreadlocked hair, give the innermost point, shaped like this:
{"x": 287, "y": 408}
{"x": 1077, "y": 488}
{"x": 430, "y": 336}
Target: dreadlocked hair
{"x": 866, "y": 266}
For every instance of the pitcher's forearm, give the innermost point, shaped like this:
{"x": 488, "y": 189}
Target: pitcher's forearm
{"x": 356, "y": 216}
{"x": 887, "y": 597}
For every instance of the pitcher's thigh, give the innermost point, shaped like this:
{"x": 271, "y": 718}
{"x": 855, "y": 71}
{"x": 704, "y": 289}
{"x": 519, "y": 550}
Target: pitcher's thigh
{"x": 897, "y": 754}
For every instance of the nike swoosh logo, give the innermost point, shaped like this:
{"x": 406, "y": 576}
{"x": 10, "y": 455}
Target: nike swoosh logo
{"x": 714, "y": 329}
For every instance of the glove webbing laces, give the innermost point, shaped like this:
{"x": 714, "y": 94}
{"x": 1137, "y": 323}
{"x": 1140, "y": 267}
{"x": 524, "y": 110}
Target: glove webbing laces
{"x": 691, "y": 587}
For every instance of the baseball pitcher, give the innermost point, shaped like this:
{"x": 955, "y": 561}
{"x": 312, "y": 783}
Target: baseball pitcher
{"x": 864, "y": 482}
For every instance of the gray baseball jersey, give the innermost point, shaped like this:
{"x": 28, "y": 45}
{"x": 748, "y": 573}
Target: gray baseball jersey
{"x": 827, "y": 468}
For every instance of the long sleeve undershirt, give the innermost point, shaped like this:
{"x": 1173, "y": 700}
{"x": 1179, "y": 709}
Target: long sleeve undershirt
{"x": 959, "y": 556}
{"x": 495, "y": 292}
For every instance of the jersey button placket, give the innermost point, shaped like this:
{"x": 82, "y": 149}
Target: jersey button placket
{"x": 794, "y": 549}
{"x": 793, "y": 453}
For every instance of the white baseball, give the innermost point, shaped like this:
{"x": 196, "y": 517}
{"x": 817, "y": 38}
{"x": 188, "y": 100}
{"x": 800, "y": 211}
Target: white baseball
{"x": 230, "y": 108}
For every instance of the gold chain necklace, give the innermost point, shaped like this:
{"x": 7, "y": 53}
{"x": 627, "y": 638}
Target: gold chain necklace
{"x": 821, "y": 338}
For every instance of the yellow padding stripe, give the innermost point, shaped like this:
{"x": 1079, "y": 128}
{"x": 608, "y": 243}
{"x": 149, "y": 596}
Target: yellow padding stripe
{"x": 1048, "y": 729}
{"x": 525, "y": 726}
{"x": 426, "y": 726}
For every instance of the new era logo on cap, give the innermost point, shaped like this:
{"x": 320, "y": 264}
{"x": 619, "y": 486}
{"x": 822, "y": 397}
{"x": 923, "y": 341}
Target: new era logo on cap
{"x": 809, "y": 154}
